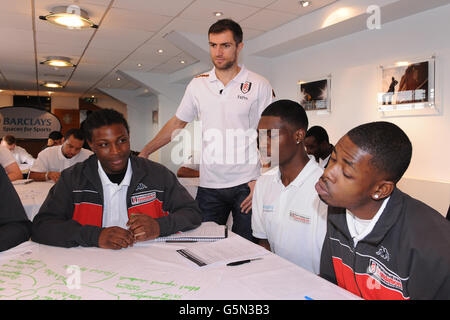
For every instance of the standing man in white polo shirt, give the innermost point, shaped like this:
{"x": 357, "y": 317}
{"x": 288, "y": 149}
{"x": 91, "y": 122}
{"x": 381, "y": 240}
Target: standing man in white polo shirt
{"x": 288, "y": 216}
{"x": 228, "y": 100}
{"x": 52, "y": 160}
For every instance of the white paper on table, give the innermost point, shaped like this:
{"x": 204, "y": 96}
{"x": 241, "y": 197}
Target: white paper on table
{"x": 226, "y": 250}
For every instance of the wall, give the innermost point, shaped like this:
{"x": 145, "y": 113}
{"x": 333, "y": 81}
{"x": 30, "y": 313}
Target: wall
{"x": 353, "y": 60}
{"x": 6, "y": 100}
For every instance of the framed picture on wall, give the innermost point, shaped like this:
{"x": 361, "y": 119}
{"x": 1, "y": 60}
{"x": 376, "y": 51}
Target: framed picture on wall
{"x": 407, "y": 88}
{"x": 314, "y": 95}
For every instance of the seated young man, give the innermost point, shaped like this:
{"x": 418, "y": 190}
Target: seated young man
{"x": 380, "y": 242}
{"x": 10, "y": 165}
{"x": 288, "y": 217}
{"x": 52, "y": 160}
{"x": 20, "y": 154}
{"x": 15, "y": 227}
{"x": 113, "y": 199}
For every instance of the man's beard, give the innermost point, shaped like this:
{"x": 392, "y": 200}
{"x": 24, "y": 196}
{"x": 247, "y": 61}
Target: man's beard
{"x": 227, "y": 66}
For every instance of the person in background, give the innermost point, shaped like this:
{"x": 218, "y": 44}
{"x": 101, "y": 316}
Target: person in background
{"x": 380, "y": 242}
{"x": 51, "y": 161}
{"x": 55, "y": 138}
{"x": 10, "y": 165}
{"x": 318, "y": 145}
{"x": 288, "y": 217}
{"x": 20, "y": 154}
{"x": 228, "y": 97}
{"x": 15, "y": 227}
{"x": 113, "y": 199}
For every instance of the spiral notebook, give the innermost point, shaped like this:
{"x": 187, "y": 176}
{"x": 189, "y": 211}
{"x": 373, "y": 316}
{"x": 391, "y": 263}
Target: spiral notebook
{"x": 206, "y": 232}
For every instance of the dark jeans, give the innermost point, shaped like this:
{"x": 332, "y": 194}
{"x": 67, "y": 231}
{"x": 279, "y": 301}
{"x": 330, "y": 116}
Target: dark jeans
{"x": 216, "y": 205}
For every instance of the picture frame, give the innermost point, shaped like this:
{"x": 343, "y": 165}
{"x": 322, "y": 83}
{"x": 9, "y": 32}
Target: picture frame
{"x": 407, "y": 88}
{"x": 314, "y": 94}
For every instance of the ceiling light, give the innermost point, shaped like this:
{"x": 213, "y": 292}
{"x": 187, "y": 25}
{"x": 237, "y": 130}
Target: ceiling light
{"x": 139, "y": 65}
{"x": 52, "y": 84}
{"x": 118, "y": 78}
{"x": 182, "y": 62}
{"x": 72, "y": 17}
{"x": 160, "y": 50}
{"x": 58, "y": 62}
{"x": 304, "y": 4}
{"x": 402, "y": 63}
{"x": 218, "y": 14}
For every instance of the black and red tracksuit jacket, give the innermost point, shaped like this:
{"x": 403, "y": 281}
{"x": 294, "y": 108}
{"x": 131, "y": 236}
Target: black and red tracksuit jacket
{"x": 406, "y": 256}
{"x": 72, "y": 213}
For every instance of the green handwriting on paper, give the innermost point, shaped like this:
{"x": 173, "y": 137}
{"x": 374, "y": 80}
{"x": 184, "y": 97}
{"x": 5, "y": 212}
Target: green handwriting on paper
{"x": 30, "y": 279}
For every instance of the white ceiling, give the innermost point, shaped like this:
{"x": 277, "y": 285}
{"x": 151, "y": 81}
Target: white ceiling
{"x": 130, "y": 33}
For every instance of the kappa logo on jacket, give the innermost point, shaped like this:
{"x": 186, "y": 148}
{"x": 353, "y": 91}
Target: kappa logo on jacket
{"x": 141, "y": 186}
{"x": 383, "y": 252}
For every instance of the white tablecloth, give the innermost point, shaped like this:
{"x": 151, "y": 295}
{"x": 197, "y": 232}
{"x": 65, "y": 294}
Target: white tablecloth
{"x": 156, "y": 271}
{"x": 33, "y": 195}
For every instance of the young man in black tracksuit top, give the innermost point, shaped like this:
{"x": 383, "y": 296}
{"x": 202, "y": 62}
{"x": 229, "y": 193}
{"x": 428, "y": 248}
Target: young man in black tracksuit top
{"x": 15, "y": 227}
{"x": 146, "y": 200}
{"x": 380, "y": 242}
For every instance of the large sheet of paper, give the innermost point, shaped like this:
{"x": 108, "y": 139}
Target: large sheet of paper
{"x": 155, "y": 272}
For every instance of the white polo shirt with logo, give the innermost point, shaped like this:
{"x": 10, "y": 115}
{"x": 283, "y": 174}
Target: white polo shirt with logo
{"x": 293, "y": 218}
{"x": 52, "y": 159}
{"x": 229, "y": 116}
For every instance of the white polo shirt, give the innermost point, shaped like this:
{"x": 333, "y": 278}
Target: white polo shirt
{"x": 115, "y": 211}
{"x": 6, "y": 157}
{"x": 22, "y": 156}
{"x": 52, "y": 159}
{"x": 293, "y": 219}
{"x": 229, "y": 116}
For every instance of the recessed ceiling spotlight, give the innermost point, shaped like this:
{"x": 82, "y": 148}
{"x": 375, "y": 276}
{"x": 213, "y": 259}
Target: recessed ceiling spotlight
{"x": 139, "y": 65}
{"x": 218, "y": 13}
{"x": 58, "y": 62}
{"x": 160, "y": 51}
{"x": 305, "y": 4}
{"x": 182, "y": 61}
{"x": 402, "y": 63}
{"x": 72, "y": 17}
{"x": 118, "y": 78}
{"x": 52, "y": 84}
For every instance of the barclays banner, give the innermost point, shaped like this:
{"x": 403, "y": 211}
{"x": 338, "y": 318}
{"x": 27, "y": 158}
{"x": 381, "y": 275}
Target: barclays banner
{"x": 27, "y": 123}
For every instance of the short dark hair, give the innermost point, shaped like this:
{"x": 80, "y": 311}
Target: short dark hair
{"x": 9, "y": 139}
{"x": 389, "y": 146}
{"x": 289, "y": 111}
{"x": 76, "y": 133}
{"x": 319, "y": 133}
{"x": 227, "y": 24}
{"x": 55, "y": 135}
{"x": 103, "y": 117}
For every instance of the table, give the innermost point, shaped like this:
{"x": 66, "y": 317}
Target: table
{"x": 155, "y": 271}
{"x": 32, "y": 195}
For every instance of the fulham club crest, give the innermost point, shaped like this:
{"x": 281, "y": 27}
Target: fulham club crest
{"x": 245, "y": 87}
